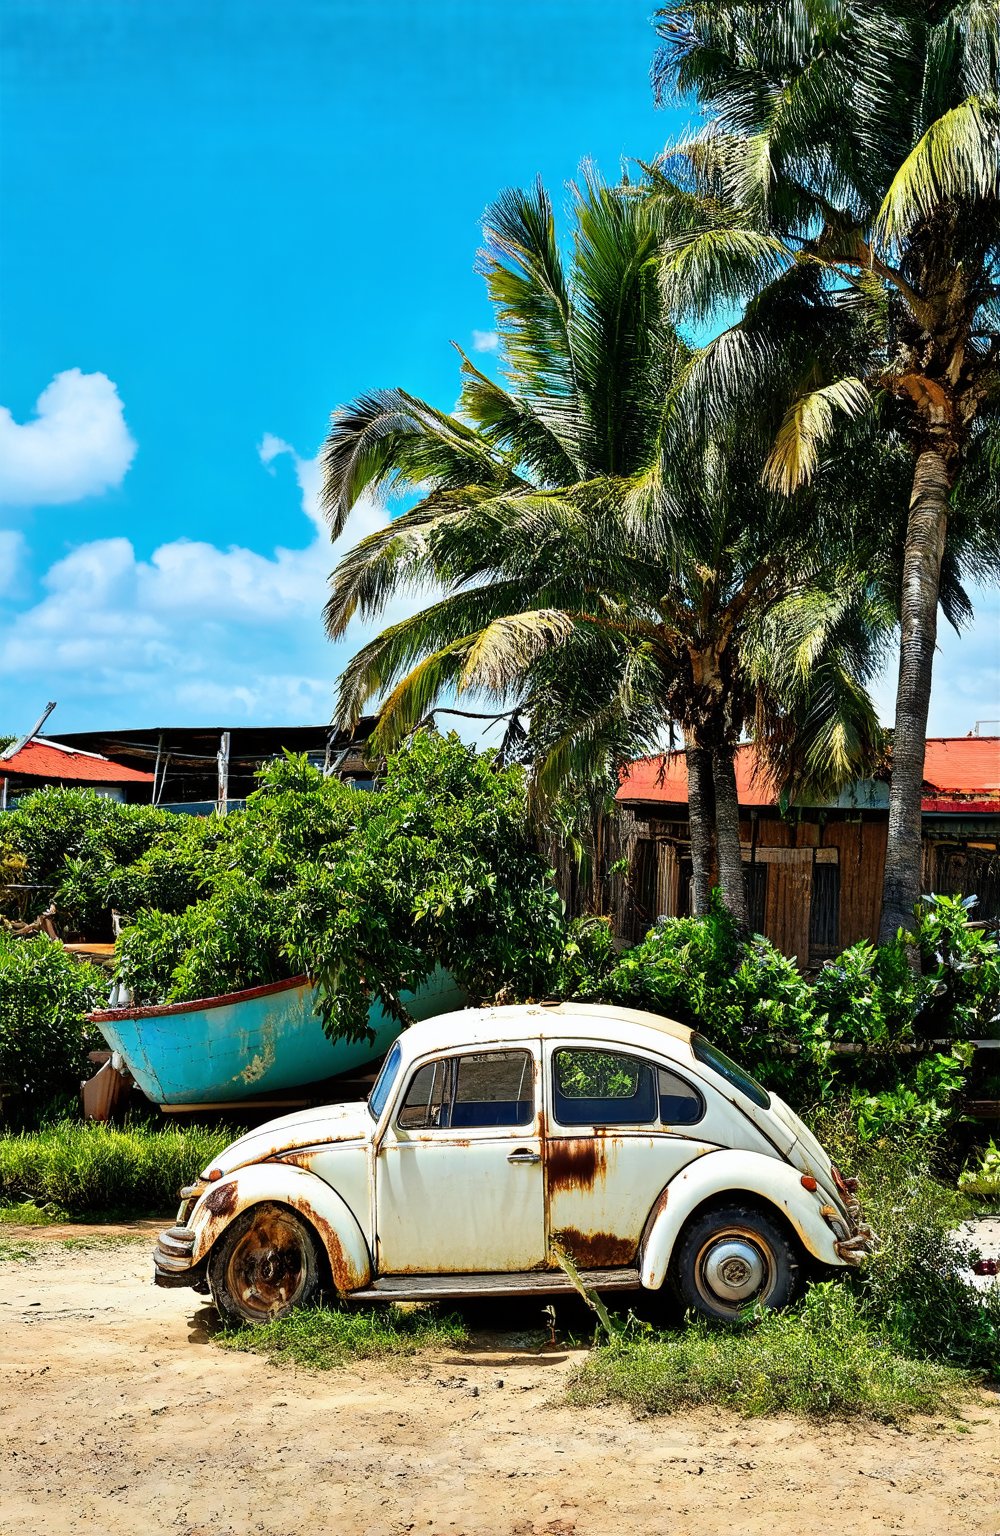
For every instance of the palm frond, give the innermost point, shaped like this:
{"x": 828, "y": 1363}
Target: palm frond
{"x": 806, "y": 428}
{"x": 389, "y": 440}
{"x": 957, "y": 159}
{"x": 504, "y": 650}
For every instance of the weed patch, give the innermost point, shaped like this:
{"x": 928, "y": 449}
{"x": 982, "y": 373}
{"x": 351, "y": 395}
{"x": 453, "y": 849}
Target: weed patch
{"x": 321, "y": 1338}
{"x": 26, "y": 1213}
{"x": 100, "y": 1171}
{"x": 914, "y": 1291}
{"x": 15, "y": 1250}
{"x": 823, "y": 1360}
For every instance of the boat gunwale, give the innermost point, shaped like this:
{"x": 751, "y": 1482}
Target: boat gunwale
{"x": 196, "y": 1005}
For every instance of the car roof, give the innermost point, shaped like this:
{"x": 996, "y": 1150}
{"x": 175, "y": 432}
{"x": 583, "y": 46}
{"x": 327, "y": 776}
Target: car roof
{"x": 583, "y": 1021}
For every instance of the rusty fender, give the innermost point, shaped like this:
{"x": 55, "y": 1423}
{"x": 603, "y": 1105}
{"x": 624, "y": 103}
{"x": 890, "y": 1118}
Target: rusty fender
{"x": 763, "y": 1179}
{"x": 316, "y": 1202}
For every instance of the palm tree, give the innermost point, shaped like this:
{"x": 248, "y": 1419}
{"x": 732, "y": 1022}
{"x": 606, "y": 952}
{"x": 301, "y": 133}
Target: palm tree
{"x": 595, "y": 563}
{"x": 847, "y": 192}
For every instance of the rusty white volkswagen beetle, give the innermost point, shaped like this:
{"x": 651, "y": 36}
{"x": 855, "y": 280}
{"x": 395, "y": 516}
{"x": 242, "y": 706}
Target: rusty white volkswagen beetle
{"x": 495, "y": 1138}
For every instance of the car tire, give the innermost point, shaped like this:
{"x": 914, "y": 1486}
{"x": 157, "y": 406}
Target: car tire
{"x": 733, "y": 1257}
{"x": 266, "y": 1264}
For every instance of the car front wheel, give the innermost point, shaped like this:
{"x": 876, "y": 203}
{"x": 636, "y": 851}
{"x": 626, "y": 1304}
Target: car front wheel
{"x": 733, "y": 1258}
{"x": 266, "y": 1263}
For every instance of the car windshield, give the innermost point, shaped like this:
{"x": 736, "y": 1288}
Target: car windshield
{"x": 719, "y": 1062}
{"x": 383, "y": 1083}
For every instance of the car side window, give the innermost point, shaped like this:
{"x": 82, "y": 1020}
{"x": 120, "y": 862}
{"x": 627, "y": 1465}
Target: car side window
{"x": 478, "y": 1091}
{"x": 680, "y": 1104}
{"x": 428, "y": 1097}
{"x": 493, "y": 1088}
{"x": 603, "y": 1088}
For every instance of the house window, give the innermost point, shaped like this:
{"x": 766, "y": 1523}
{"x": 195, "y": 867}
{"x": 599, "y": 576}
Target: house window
{"x": 824, "y": 909}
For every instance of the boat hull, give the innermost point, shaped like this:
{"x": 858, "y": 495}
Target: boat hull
{"x": 252, "y": 1043}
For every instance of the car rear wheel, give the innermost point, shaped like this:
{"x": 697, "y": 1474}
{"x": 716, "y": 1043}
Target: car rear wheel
{"x": 732, "y": 1258}
{"x": 264, "y": 1265}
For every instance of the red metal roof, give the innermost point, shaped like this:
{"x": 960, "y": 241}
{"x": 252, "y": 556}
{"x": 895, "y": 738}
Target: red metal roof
{"x": 961, "y": 774}
{"x": 665, "y": 779}
{"x": 54, "y": 764}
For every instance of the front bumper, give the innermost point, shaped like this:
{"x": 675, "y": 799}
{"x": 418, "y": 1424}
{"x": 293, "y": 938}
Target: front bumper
{"x": 172, "y": 1260}
{"x": 855, "y": 1242}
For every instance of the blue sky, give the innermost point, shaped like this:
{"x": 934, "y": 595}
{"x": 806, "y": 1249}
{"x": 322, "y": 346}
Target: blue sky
{"x": 218, "y": 223}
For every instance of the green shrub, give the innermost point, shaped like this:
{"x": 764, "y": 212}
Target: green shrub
{"x": 783, "y": 1027}
{"x": 100, "y": 1171}
{"x": 74, "y": 841}
{"x": 963, "y": 965}
{"x": 915, "y": 1289}
{"x": 822, "y": 1360}
{"x": 44, "y": 1036}
{"x": 365, "y": 892}
{"x": 983, "y": 1179}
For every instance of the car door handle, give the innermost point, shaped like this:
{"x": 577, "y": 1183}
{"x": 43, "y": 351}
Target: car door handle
{"x": 524, "y": 1155}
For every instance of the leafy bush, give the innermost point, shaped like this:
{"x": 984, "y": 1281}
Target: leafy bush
{"x": 753, "y": 1002}
{"x": 985, "y": 1178}
{"x": 44, "y": 1035}
{"x": 365, "y": 892}
{"x": 915, "y": 1288}
{"x": 824, "y": 1359}
{"x": 923, "y": 1099}
{"x": 75, "y": 842}
{"x": 962, "y": 966}
{"x": 100, "y": 1171}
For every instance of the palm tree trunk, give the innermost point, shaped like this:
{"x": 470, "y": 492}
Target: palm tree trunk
{"x": 727, "y": 832}
{"x": 926, "y": 528}
{"x": 700, "y": 797}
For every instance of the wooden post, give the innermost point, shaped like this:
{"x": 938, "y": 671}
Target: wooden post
{"x": 156, "y": 770}
{"x": 223, "y": 774}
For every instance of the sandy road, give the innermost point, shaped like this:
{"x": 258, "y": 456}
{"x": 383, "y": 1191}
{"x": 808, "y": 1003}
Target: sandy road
{"x": 118, "y": 1415}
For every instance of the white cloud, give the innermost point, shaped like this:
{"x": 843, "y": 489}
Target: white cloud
{"x": 12, "y": 552}
{"x": 485, "y": 341}
{"x": 194, "y": 632}
{"x": 77, "y": 444}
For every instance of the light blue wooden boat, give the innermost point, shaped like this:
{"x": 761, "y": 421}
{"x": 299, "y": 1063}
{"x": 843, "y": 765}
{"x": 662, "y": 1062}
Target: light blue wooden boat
{"x": 251, "y": 1043}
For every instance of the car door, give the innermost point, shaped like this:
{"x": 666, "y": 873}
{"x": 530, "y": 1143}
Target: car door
{"x": 619, "y": 1126}
{"x": 458, "y": 1172}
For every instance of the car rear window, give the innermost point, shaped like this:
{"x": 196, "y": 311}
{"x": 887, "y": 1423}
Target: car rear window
{"x": 602, "y": 1088}
{"x": 710, "y": 1056}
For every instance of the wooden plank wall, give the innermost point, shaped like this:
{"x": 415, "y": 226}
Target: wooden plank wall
{"x": 860, "y": 846}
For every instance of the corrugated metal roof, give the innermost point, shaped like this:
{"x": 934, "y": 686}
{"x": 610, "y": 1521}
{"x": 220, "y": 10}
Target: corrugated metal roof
{"x": 52, "y": 762}
{"x": 664, "y": 779}
{"x": 961, "y": 774}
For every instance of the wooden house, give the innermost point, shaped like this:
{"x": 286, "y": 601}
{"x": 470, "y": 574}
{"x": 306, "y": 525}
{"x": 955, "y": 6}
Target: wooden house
{"x": 814, "y": 872}
{"x": 196, "y": 768}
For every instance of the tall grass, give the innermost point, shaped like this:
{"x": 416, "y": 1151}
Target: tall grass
{"x": 320, "y": 1338}
{"x": 101, "y": 1171}
{"x": 822, "y": 1360}
{"x": 915, "y": 1290}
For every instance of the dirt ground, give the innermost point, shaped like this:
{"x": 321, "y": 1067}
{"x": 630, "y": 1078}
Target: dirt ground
{"x": 118, "y": 1415}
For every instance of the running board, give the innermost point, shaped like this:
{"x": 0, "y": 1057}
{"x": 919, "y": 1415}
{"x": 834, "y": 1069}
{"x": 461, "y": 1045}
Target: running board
{"x": 531, "y": 1282}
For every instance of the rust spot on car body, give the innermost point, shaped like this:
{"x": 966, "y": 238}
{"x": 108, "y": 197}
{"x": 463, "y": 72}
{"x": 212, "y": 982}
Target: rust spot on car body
{"x": 597, "y": 1250}
{"x": 222, "y": 1200}
{"x": 345, "y": 1276}
{"x": 575, "y": 1162}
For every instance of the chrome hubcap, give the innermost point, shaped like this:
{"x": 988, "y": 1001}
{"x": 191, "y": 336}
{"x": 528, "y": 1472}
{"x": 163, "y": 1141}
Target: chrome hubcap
{"x": 733, "y": 1269}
